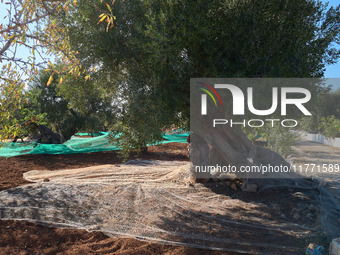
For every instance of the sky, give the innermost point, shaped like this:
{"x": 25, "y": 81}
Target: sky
{"x": 332, "y": 71}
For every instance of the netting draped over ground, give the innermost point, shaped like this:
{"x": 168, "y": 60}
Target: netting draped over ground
{"x": 151, "y": 200}
{"x": 77, "y": 144}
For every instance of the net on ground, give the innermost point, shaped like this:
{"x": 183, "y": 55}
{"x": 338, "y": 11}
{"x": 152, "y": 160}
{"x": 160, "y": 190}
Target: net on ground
{"x": 152, "y": 200}
{"x": 77, "y": 144}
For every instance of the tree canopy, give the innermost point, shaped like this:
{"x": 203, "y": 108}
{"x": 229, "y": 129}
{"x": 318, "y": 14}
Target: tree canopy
{"x": 143, "y": 53}
{"x": 157, "y": 46}
{"x": 32, "y": 27}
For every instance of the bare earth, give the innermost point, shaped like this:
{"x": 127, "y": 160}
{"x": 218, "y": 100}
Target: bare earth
{"x": 18, "y": 237}
{"x": 278, "y": 206}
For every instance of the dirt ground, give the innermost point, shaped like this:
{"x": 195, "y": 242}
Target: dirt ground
{"x": 12, "y": 169}
{"x": 291, "y": 206}
{"x": 18, "y": 237}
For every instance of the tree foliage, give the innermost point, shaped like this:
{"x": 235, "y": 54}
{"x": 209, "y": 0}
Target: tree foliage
{"x": 157, "y": 46}
{"x": 32, "y": 26}
{"x": 16, "y": 113}
{"x": 330, "y": 126}
{"x": 72, "y": 106}
{"x": 325, "y": 111}
{"x": 145, "y": 54}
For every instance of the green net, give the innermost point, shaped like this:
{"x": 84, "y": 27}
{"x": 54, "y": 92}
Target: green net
{"x": 77, "y": 144}
{"x": 91, "y": 134}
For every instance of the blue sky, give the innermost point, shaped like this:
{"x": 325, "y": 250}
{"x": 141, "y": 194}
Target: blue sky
{"x": 333, "y": 71}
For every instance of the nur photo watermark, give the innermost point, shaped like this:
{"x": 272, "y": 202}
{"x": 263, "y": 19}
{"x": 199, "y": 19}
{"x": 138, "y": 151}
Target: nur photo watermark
{"x": 248, "y": 127}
